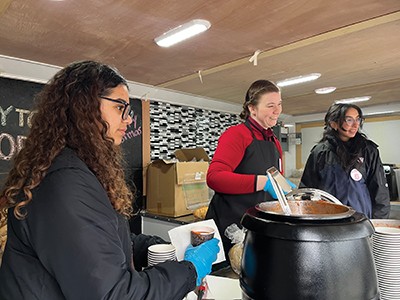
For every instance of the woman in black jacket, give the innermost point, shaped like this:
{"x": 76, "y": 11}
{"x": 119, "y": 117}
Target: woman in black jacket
{"x": 68, "y": 202}
{"x": 347, "y": 165}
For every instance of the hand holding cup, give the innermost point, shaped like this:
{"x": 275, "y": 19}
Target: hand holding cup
{"x": 201, "y": 234}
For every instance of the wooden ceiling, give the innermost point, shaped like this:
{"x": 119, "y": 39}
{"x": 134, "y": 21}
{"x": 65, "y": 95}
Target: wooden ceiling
{"x": 355, "y": 45}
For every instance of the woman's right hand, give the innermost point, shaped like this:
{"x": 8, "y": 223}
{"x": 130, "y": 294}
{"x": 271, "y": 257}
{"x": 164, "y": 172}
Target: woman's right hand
{"x": 268, "y": 188}
{"x": 202, "y": 257}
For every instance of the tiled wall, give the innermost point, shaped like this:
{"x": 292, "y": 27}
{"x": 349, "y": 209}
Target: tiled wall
{"x": 173, "y": 127}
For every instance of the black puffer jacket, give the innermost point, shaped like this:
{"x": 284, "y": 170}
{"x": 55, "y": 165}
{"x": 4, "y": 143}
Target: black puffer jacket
{"x": 364, "y": 188}
{"x": 73, "y": 245}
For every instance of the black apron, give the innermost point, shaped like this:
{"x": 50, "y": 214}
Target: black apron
{"x": 226, "y": 209}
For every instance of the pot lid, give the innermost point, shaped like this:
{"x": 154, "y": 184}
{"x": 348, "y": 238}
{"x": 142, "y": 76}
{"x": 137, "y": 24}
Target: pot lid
{"x": 318, "y": 230}
{"x": 307, "y": 210}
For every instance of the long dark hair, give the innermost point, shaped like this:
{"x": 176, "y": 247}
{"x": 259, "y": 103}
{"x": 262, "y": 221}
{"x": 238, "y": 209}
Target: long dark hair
{"x": 348, "y": 152}
{"x": 68, "y": 115}
{"x": 254, "y": 93}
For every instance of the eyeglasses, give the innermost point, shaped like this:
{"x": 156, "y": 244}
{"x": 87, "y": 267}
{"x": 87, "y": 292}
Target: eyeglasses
{"x": 350, "y": 121}
{"x": 127, "y": 111}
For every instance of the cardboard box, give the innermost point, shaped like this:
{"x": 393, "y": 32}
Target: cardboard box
{"x": 176, "y": 188}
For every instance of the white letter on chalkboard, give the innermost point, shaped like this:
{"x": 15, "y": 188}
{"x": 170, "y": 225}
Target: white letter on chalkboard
{"x": 21, "y": 115}
{"x": 29, "y": 120}
{"x": 20, "y": 141}
{"x": 3, "y": 119}
{"x": 12, "y": 146}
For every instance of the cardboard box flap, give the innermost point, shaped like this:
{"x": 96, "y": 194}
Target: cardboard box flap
{"x": 187, "y": 172}
{"x": 163, "y": 161}
{"x": 189, "y": 154}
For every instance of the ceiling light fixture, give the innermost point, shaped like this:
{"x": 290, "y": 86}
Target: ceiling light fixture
{"x": 353, "y": 100}
{"x": 387, "y": 112}
{"x": 182, "y": 32}
{"x": 298, "y": 79}
{"x": 325, "y": 90}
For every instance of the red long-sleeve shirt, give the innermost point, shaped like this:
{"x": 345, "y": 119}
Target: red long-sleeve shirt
{"x": 230, "y": 151}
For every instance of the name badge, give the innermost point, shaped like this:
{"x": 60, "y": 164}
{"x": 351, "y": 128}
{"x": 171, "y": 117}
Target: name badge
{"x": 355, "y": 175}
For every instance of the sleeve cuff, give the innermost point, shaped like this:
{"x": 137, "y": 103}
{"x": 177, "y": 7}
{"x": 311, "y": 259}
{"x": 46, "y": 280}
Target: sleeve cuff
{"x": 193, "y": 276}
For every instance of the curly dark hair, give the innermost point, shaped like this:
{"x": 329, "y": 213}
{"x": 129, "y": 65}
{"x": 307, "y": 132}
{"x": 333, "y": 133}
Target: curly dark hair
{"x": 350, "y": 151}
{"x": 254, "y": 93}
{"x": 67, "y": 114}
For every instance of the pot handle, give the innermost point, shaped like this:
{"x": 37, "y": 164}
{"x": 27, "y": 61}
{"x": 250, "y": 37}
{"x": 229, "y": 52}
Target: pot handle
{"x": 315, "y": 194}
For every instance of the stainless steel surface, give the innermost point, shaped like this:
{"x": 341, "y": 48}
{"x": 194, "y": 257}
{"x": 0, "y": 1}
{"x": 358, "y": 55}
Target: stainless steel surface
{"x": 279, "y": 193}
{"x": 282, "y": 182}
{"x": 312, "y": 194}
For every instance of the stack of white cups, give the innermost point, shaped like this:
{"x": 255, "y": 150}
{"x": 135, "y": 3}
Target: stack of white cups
{"x": 159, "y": 253}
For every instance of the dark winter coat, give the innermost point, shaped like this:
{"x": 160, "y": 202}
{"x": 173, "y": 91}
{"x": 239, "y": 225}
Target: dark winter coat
{"x": 74, "y": 245}
{"x": 364, "y": 188}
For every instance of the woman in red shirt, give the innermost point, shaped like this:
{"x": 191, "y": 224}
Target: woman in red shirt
{"x": 237, "y": 172}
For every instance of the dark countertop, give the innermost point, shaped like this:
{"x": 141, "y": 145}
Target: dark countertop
{"x": 183, "y": 220}
{"x": 226, "y": 272}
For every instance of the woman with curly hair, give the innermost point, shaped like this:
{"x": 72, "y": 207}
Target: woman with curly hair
{"x": 347, "y": 165}
{"x": 66, "y": 201}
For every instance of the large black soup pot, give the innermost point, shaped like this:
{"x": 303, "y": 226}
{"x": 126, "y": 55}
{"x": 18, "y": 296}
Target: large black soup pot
{"x": 310, "y": 255}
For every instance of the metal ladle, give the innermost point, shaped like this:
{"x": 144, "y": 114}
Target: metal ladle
{"x": 279, "y": 193}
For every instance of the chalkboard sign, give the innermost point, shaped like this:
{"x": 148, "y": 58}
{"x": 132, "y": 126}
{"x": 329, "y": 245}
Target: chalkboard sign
{"x": 16, "y": 103}
{"x": 132, "y": 149}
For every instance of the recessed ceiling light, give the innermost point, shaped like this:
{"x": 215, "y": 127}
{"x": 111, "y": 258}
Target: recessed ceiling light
{"x": 182, "y": 32}
{"x": 298, "y": 79}
{"x": 380, "y": 113}
{"x": 353, "y": 100}
{"x": 325, "y": 90}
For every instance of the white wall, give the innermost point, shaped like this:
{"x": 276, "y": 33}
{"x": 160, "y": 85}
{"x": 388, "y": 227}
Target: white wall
{"x": 387, "y": 135}
{"x": 290, "y": 156}
{"x": 309, "y": 137}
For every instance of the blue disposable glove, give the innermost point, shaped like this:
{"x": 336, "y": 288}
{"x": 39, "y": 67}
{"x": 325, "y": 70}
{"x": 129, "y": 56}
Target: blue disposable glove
{"x": 202, "y": 257}
{"x": 292, "y": 185}
{"x": 268, "y": 188}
